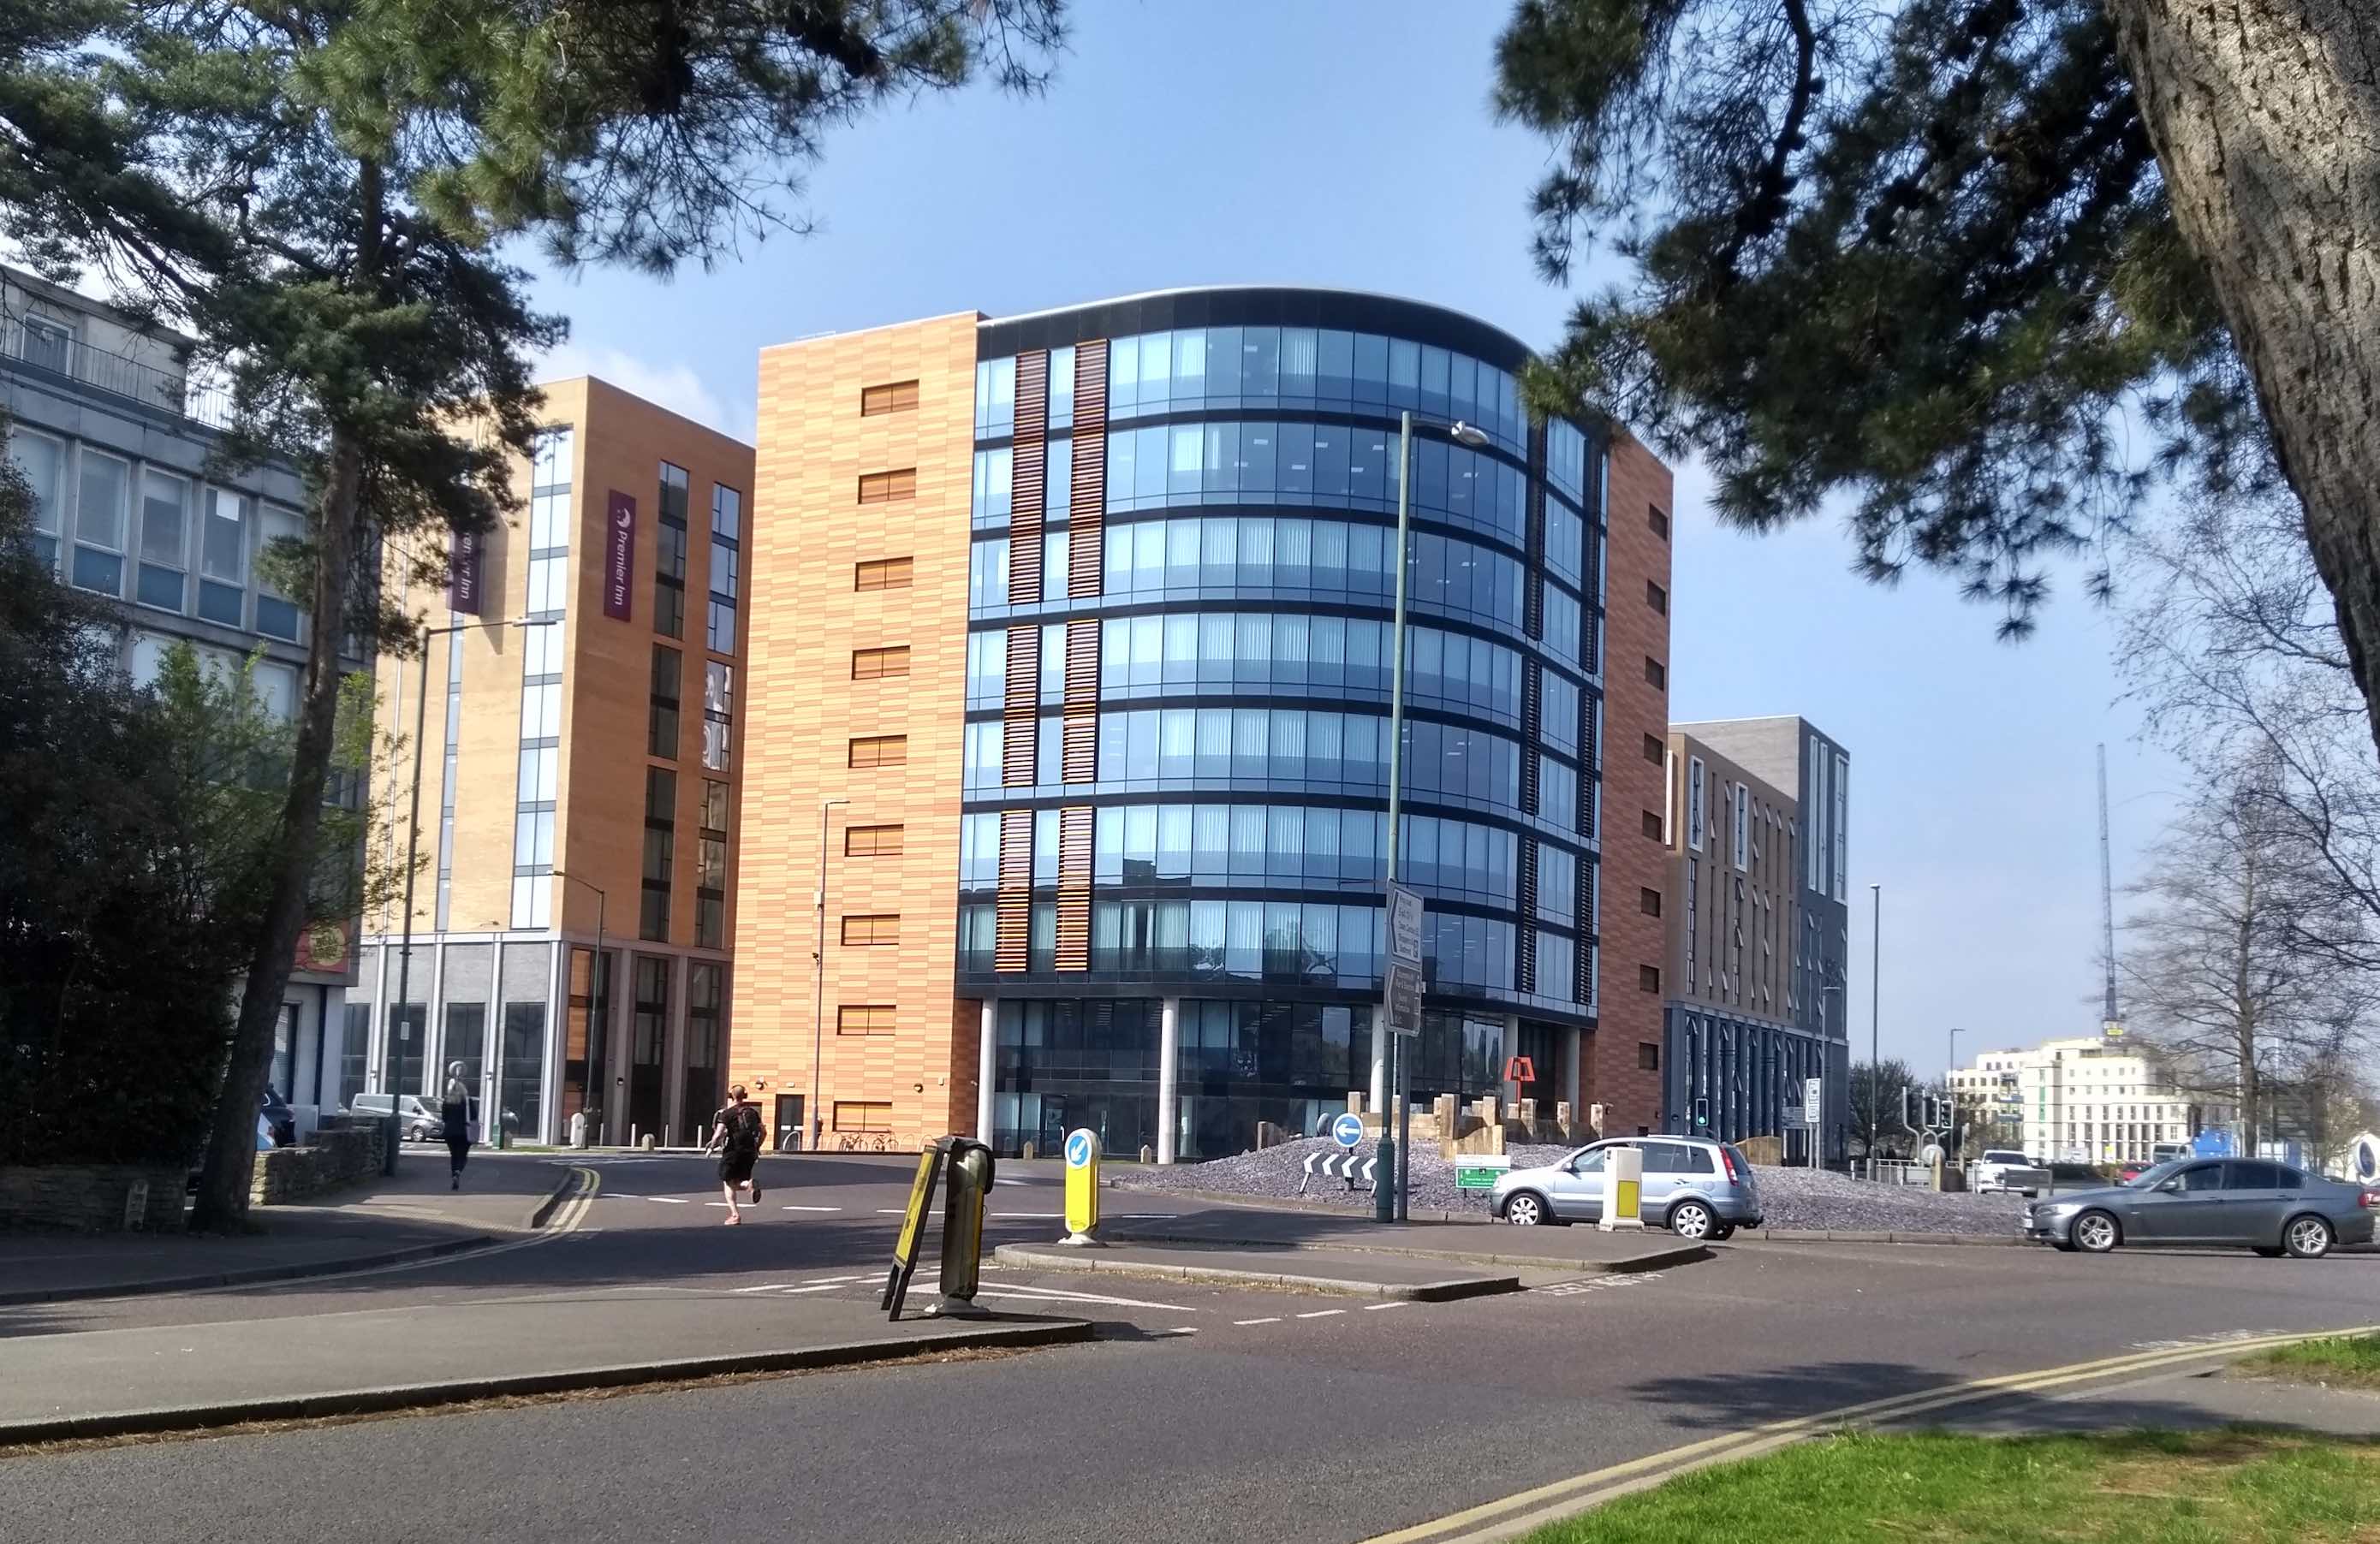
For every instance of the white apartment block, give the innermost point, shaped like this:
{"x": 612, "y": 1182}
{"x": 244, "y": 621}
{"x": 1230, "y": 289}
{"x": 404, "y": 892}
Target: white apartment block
{"x": 2091, "y": 1099}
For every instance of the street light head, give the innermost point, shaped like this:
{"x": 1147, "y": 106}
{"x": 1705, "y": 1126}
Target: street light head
{"x": 1468, "y": 434}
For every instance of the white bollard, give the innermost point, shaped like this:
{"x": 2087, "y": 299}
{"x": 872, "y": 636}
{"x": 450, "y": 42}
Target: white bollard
{"x": 1624, "y": 1189}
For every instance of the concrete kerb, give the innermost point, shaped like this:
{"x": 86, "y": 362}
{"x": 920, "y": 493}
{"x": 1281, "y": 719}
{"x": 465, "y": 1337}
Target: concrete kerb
{"x": 1661, "y": 1259}
{"x": 1448, "y": 1290}
{"x": 415, "y": 1396}
{"x": 1839, "y": 1236}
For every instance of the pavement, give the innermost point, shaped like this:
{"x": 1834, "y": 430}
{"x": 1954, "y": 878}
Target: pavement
{"x": 412, "y": 1215}
{"x": 1198, "y": 1410}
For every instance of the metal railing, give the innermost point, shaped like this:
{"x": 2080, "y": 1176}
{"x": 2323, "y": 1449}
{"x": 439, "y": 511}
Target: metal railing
{"x": 117, "y": 374}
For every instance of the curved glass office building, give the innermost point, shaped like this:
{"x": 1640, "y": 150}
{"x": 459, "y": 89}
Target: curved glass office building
{"x": 1172, "y": 831}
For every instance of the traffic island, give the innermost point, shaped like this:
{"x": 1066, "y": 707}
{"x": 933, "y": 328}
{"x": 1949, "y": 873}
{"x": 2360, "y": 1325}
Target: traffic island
{"x": 1340, "y": 1274}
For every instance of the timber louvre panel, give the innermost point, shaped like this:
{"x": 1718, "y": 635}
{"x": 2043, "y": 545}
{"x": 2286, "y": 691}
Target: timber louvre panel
{"x": 1028, "y": 478}
{"x": 1086, "y": 539}
{"x": 1080, "y": 744}
{"x": 1012, "y": 938}
{"x": 1020, "y": 725}
{"x": 1074, "y": 826}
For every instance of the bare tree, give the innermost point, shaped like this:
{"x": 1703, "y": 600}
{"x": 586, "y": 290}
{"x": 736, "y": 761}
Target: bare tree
{"x": 2231, "y": 647}
{"x": 2234, "y": 967}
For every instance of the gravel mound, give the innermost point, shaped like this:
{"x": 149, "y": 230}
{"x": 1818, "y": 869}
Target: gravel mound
{"x": 1792, "y": 1198}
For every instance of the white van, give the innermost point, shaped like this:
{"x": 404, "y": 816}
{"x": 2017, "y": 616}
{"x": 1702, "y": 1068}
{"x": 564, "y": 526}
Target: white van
{"x": 419, "y": 1118}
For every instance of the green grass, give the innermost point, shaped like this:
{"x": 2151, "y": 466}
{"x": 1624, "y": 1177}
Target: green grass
{"x": 2353, "y": 1360}
{"x": 2232, "y": 1486}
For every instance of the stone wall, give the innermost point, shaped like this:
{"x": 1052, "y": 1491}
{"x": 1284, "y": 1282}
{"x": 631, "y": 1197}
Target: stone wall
{"x": 343, "y": 1152}
{"x": 91, "y": 1198}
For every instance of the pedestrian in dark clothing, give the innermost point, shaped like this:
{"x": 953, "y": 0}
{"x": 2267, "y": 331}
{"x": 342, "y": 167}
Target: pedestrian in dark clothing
{"x": 455, "y": 1114}
{"x": 735, "y": 1137}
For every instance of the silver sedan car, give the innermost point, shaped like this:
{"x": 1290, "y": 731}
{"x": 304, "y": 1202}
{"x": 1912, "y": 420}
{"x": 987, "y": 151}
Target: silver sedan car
{"x": 2241, "y": 1202}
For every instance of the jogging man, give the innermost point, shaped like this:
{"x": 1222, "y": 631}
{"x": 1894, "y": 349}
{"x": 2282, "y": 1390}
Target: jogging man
{"x": 735, "y": 1137}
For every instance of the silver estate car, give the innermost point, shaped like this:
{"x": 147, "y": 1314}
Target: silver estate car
{"x": 2241, "y": 1202}
{"x": 1698, "y": 1189}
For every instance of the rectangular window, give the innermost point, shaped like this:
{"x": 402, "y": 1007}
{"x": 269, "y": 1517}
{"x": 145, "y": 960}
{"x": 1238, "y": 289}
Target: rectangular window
{"x": 873, "y": 841}
{"x": 1648, "y": 978}
{"x": 669, "y": 607}
{"x": 1656, "y": 675}
{"x": 1648, "y": 1056}
{"x": 883, "y": 574}
{"x": 1648, "y": 901}
{"x": 1742, "y": 826}
{"x": 709, "y": 922}
{"x": 1654, "y": 752}
{"x": 880, "y": 750}
{"x": 898, "y": 396}
{"x": 661, "y": 794}
{"x": 44, "y": 462}
{"x": 1657, "y": 597}
{"x": 870, "y": 932}
{"x": 165, "y": 536}
{"x": 1695, "y": 804}
{"x": 864, "y": 1019}
{"x": 882, "y": 488}
{"x": 1652, "y": 823}
{"x": 660, "y": 725}
{"x": 878, "y": 664}
{"x": 714, "y": 804}
{"x": 710, "y": 864}
{"x": 861, "y": 1114}
{"x": 726, "y": 515}
{"x": 1657, "y": 521}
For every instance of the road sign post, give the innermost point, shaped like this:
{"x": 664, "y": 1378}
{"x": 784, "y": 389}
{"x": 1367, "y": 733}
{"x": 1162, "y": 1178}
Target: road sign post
{"x": 1082, "y": 1189}
{"x": 1403, "y": 1021}
{"x": 1814, "y": 1099}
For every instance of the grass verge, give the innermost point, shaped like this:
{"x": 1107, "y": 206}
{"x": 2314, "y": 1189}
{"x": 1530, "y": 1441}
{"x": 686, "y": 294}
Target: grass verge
{"x": 2349, "y": 1361}
{"x": 2239, "y": 1485}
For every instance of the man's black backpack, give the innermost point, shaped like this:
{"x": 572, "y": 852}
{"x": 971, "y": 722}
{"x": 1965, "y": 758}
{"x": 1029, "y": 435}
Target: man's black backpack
{"x": 743, "y": 1129}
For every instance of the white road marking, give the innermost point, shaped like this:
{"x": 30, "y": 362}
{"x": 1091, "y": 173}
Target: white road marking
{"x": 670, "y": 1200}
{"x": 1185, "y": 1330}
{"x": 1053, "y": 1295}
{"x": 890, "y": 1211}
{"x": 1323, "y": 1313}
{"x": 1383, "y": 1307}
{"x": 764, "y": 1286}
{"x": 1244, "y": 1323}
{"x": 811, "y": 1209}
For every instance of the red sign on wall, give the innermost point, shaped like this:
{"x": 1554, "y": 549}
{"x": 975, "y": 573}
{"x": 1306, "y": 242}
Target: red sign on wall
{"x": 1520, "y": 1069}
{"x": 619, "y": 556}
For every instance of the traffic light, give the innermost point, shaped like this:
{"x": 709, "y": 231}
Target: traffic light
{"x": 1907, "y": 1111}
{"x": 1702, "y": 1113}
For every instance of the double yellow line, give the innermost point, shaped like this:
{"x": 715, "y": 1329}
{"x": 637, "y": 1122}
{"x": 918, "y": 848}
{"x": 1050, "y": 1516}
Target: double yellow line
{"x": 1518, "y": 1513}
{"x": 566, "y": 1217}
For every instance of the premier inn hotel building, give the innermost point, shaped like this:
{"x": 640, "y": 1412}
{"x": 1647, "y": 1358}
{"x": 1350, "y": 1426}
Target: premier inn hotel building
{"x": 1064, "y": 758}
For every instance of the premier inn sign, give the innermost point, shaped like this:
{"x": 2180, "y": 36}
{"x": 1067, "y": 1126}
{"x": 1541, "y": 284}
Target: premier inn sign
{"x": 619, "y": 556}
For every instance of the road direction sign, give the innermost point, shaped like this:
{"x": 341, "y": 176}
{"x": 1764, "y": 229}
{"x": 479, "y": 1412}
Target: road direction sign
{"x": 1082, "y": 1186}
{"x": 1347, "y": 1131}
{"x": 1404, "y": 925}
{"x": 1405, "y": 999}
{"x": 1814, "y": 1093}
{"x": 1080, "y": 1145}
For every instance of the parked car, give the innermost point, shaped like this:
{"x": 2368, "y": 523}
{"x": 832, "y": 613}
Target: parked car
{"x": 1698, "y": 1189}
{"x": 280, "y": 1120}
{"x": 2006, "y": 1169}
{"x": 2245, "y": 1204}
{"x": 417, "y": 1117}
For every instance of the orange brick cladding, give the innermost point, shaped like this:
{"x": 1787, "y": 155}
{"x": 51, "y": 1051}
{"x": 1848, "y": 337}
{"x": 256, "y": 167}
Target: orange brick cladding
{"x": 1629, "y": 1014}
{"x": 808, "y": 536}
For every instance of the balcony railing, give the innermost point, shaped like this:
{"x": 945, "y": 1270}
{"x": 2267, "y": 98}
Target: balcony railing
{"x": 118, "y": 375}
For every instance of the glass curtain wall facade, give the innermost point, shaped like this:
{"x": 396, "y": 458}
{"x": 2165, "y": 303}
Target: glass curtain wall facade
{"x": 1180, "y": 649}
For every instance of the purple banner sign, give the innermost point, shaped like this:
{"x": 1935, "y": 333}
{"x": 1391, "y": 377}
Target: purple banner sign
{"x": 619, "y": 556}
{"x": 463, "y": 573}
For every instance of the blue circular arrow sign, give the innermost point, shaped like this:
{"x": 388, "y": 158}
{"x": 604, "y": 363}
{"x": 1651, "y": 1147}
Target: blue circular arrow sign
{"x": 1078, "y": 1150}
{"x": 1347, "y": 1131}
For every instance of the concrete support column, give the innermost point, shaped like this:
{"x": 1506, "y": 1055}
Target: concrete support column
{"x": 1169, "y": 1089}
{"x": 1574, "y": 1053}
{"x": 987, "y": 1066}
{"x": 1511, "y": 1094}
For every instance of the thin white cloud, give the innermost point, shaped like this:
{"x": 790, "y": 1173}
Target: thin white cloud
{"x": 674, "y": 386}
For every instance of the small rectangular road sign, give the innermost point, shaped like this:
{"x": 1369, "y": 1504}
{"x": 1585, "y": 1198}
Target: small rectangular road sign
{"x": 1405, "y": 999}
{"x": 1404, "y": 924}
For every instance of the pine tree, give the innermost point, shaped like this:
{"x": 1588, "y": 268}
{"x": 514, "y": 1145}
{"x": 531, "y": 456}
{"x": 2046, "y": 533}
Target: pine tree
{"x": 1943, "y": 254}
{"x": 326, "y": 190}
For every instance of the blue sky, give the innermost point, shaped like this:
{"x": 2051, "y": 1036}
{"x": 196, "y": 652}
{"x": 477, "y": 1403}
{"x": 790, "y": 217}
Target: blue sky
{"x": 1351, "y": 144}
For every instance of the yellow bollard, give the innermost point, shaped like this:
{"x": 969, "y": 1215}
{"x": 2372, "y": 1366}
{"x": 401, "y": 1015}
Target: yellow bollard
{"x": 970, "y": 1185}
{"x": 1082, "y": 1189}
{"x": 1624, "y": 1189}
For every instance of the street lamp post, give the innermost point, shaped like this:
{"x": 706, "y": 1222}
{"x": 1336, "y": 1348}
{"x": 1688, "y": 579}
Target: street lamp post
{"x": 599, "y": 1030}
{"x": 818, "y": 991}
{"x": 1391, "y": 1073}
{"x": 412, "y": 860}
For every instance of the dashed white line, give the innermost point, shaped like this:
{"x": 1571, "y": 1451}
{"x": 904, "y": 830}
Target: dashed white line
{"x": 1323, "y": 1313}
{"x": 1382, "y": 1307}
{"x": 1244, "y": 1323}
{"x": 811, "y": 1209}
{"x": 672, "y": 1201}
{"x": 890, "y": 1211}
{"x": 1185, "y": 1330}
{"x": 1056, "y": 1295}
